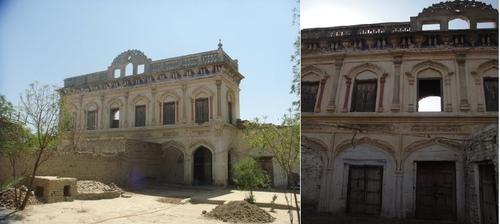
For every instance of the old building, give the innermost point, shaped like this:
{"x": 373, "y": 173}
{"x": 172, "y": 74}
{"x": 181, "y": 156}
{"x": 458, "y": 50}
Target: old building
{"x": 175, "y": 120}
{"x": 371, "y": 145}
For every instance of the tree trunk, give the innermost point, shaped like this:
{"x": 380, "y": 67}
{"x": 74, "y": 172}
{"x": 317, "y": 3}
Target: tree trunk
{"x": 297, "y": 208}
{"x": 30, "y": 186}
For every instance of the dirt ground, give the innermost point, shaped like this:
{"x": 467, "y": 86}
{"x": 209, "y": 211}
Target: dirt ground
{"x": 151, "y": 206}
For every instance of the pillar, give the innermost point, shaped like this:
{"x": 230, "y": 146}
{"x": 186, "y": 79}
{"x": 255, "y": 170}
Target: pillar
{"x": 336, "y": 76}
{"x": 101, "y": 113}
{"x": 184, "y": 102}
{"x": 381, "y": 94}
{"x": 396, "y": 105}
{"x": 219, "y": 98}
{"x": 347, "y": 90}
{"x": 464, "y": 102}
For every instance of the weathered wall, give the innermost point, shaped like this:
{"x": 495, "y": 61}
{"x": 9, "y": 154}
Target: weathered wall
{"x": 482, "y": 149}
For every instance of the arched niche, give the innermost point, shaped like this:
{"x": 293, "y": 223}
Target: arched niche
{"x": 367, "y": 156}
{"x": 172, "y": 162}
{"x": 438, "y": 75}
{"x": 364, "y": 79}
{"x": 313, "y": 82}
{"x": 430, "y": 151}
{"x": 313, "y": 163}
{"x": 485, "y": 71}
{"x": 130, "y": 62}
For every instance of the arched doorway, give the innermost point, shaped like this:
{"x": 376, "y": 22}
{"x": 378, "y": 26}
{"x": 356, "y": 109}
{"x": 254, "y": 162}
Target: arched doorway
{"x": 202, "y": 172}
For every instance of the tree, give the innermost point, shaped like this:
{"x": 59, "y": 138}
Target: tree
{"x": 15, "y": 143}
{"x": 248, "y": 177}
{"x": 283, "y": 141}
{"x": 40, "y": 110}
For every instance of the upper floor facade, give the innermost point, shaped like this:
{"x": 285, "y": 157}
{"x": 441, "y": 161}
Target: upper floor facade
{"x": 137, "y": 93}
{"x": 398, "y": 69}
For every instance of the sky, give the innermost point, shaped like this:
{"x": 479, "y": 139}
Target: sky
{"x": 326, "y": 13}
{"x": 50, "y": 40}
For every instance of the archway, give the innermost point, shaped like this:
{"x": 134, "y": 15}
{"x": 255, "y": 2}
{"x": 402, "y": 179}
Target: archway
{"x": 202, "y": 172}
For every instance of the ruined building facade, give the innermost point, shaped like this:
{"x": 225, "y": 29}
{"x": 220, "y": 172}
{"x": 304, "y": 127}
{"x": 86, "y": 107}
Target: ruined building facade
{"x": 174, "y": 121}
{"x": 369, "y": 144}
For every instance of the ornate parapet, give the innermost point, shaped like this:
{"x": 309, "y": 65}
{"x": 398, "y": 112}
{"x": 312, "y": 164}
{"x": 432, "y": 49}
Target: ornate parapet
{"x": 324, "y": 41}
{"x": 200, "y": 65}
{"x": 406, "y": 35}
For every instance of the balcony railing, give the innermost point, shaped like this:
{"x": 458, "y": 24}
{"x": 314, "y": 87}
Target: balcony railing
{"x": 392, "y": 36}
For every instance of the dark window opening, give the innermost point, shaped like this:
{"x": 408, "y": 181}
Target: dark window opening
{"x": 91, "y": 120}
{"x": 201, "y": 109}
{"x": 169, "y": 113}
{"x": 364, "y": 96}
{"x": 309, "y": 92}
{"x": 491, "y": 93}
{"x": 230, "y": 112}
{"x": 115, "y": 118}
{"x": 202, "y": 163}
{"x": 66, "y": 191}
{"x": 140, "y": 116}
{"x": 38, "y": 191}
{"x": 429, "y": 95}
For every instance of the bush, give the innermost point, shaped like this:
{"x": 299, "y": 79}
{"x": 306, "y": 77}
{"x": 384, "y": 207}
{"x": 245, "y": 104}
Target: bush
{"x": 248, "y": 177}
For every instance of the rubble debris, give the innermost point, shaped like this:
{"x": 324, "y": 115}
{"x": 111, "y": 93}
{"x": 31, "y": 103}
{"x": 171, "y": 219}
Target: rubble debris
{"x": 240, "y": 211}
{"x": 7, "y": 197}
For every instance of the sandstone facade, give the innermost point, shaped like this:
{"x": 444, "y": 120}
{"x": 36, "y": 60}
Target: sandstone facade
{"x": 367, "y": 145}
{"x": 174, "y": 120}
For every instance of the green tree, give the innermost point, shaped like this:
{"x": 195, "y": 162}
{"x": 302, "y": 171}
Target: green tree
{"x": 248, "y": 177}
{"x": 283, "y": 141}
{"x": 15, "y": 144}
{"x": 40, "y": 109}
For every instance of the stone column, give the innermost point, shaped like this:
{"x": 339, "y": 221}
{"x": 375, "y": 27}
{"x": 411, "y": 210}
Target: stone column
{"x": 126, "y": 109}
{"x": 347, "y": 90}
{"x": 320, "y": 98}
{"x": 335, "y": 82}
{"x": 219, "y": 98}
{"x": 153, "y": 107}
{"x": 396, "y": 106}
{"x": 464, "y": 102}
{"x": 188, "y": 168}
{"x": 81, "y": 118}
{"x": 101, "y": 117}
{"x": 381, "y": 95}
{"x": 184, "y": 103}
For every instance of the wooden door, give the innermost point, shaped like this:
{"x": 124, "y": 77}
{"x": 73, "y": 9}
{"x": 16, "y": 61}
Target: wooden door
{"x": 488, "y": 195}
{"x": 364, "y": 192}
{"x": 435, "y": 191}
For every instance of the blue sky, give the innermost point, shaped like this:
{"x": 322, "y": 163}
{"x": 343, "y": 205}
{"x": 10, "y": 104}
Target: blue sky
{"x": 51, "y": 40}
{"x": 325, "y": 13}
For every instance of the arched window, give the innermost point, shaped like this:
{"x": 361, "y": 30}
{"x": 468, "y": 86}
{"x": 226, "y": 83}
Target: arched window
{"x": 201, "y": 110}
{"x": 114, "y": 118}
{"x": 129, "y": 70}
{"x": 458, "y": 24}
{"x": 169, "y": 112}
{"x": 309, "y": 94}
{"x": 491, "y": 93}
{"x": 91, "y": 117}
{"x": 429, "y": 91}
{"x": 364, "y": 92}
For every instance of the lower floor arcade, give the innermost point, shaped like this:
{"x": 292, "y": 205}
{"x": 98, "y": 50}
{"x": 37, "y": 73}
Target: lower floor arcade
{"x": 436, "y": 179}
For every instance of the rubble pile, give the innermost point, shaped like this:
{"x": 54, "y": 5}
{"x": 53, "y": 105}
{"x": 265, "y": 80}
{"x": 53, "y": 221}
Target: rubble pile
{"x": 92, "y": 186}
{"x": 7, "y": 198}
{"x": 240, "y": 211}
